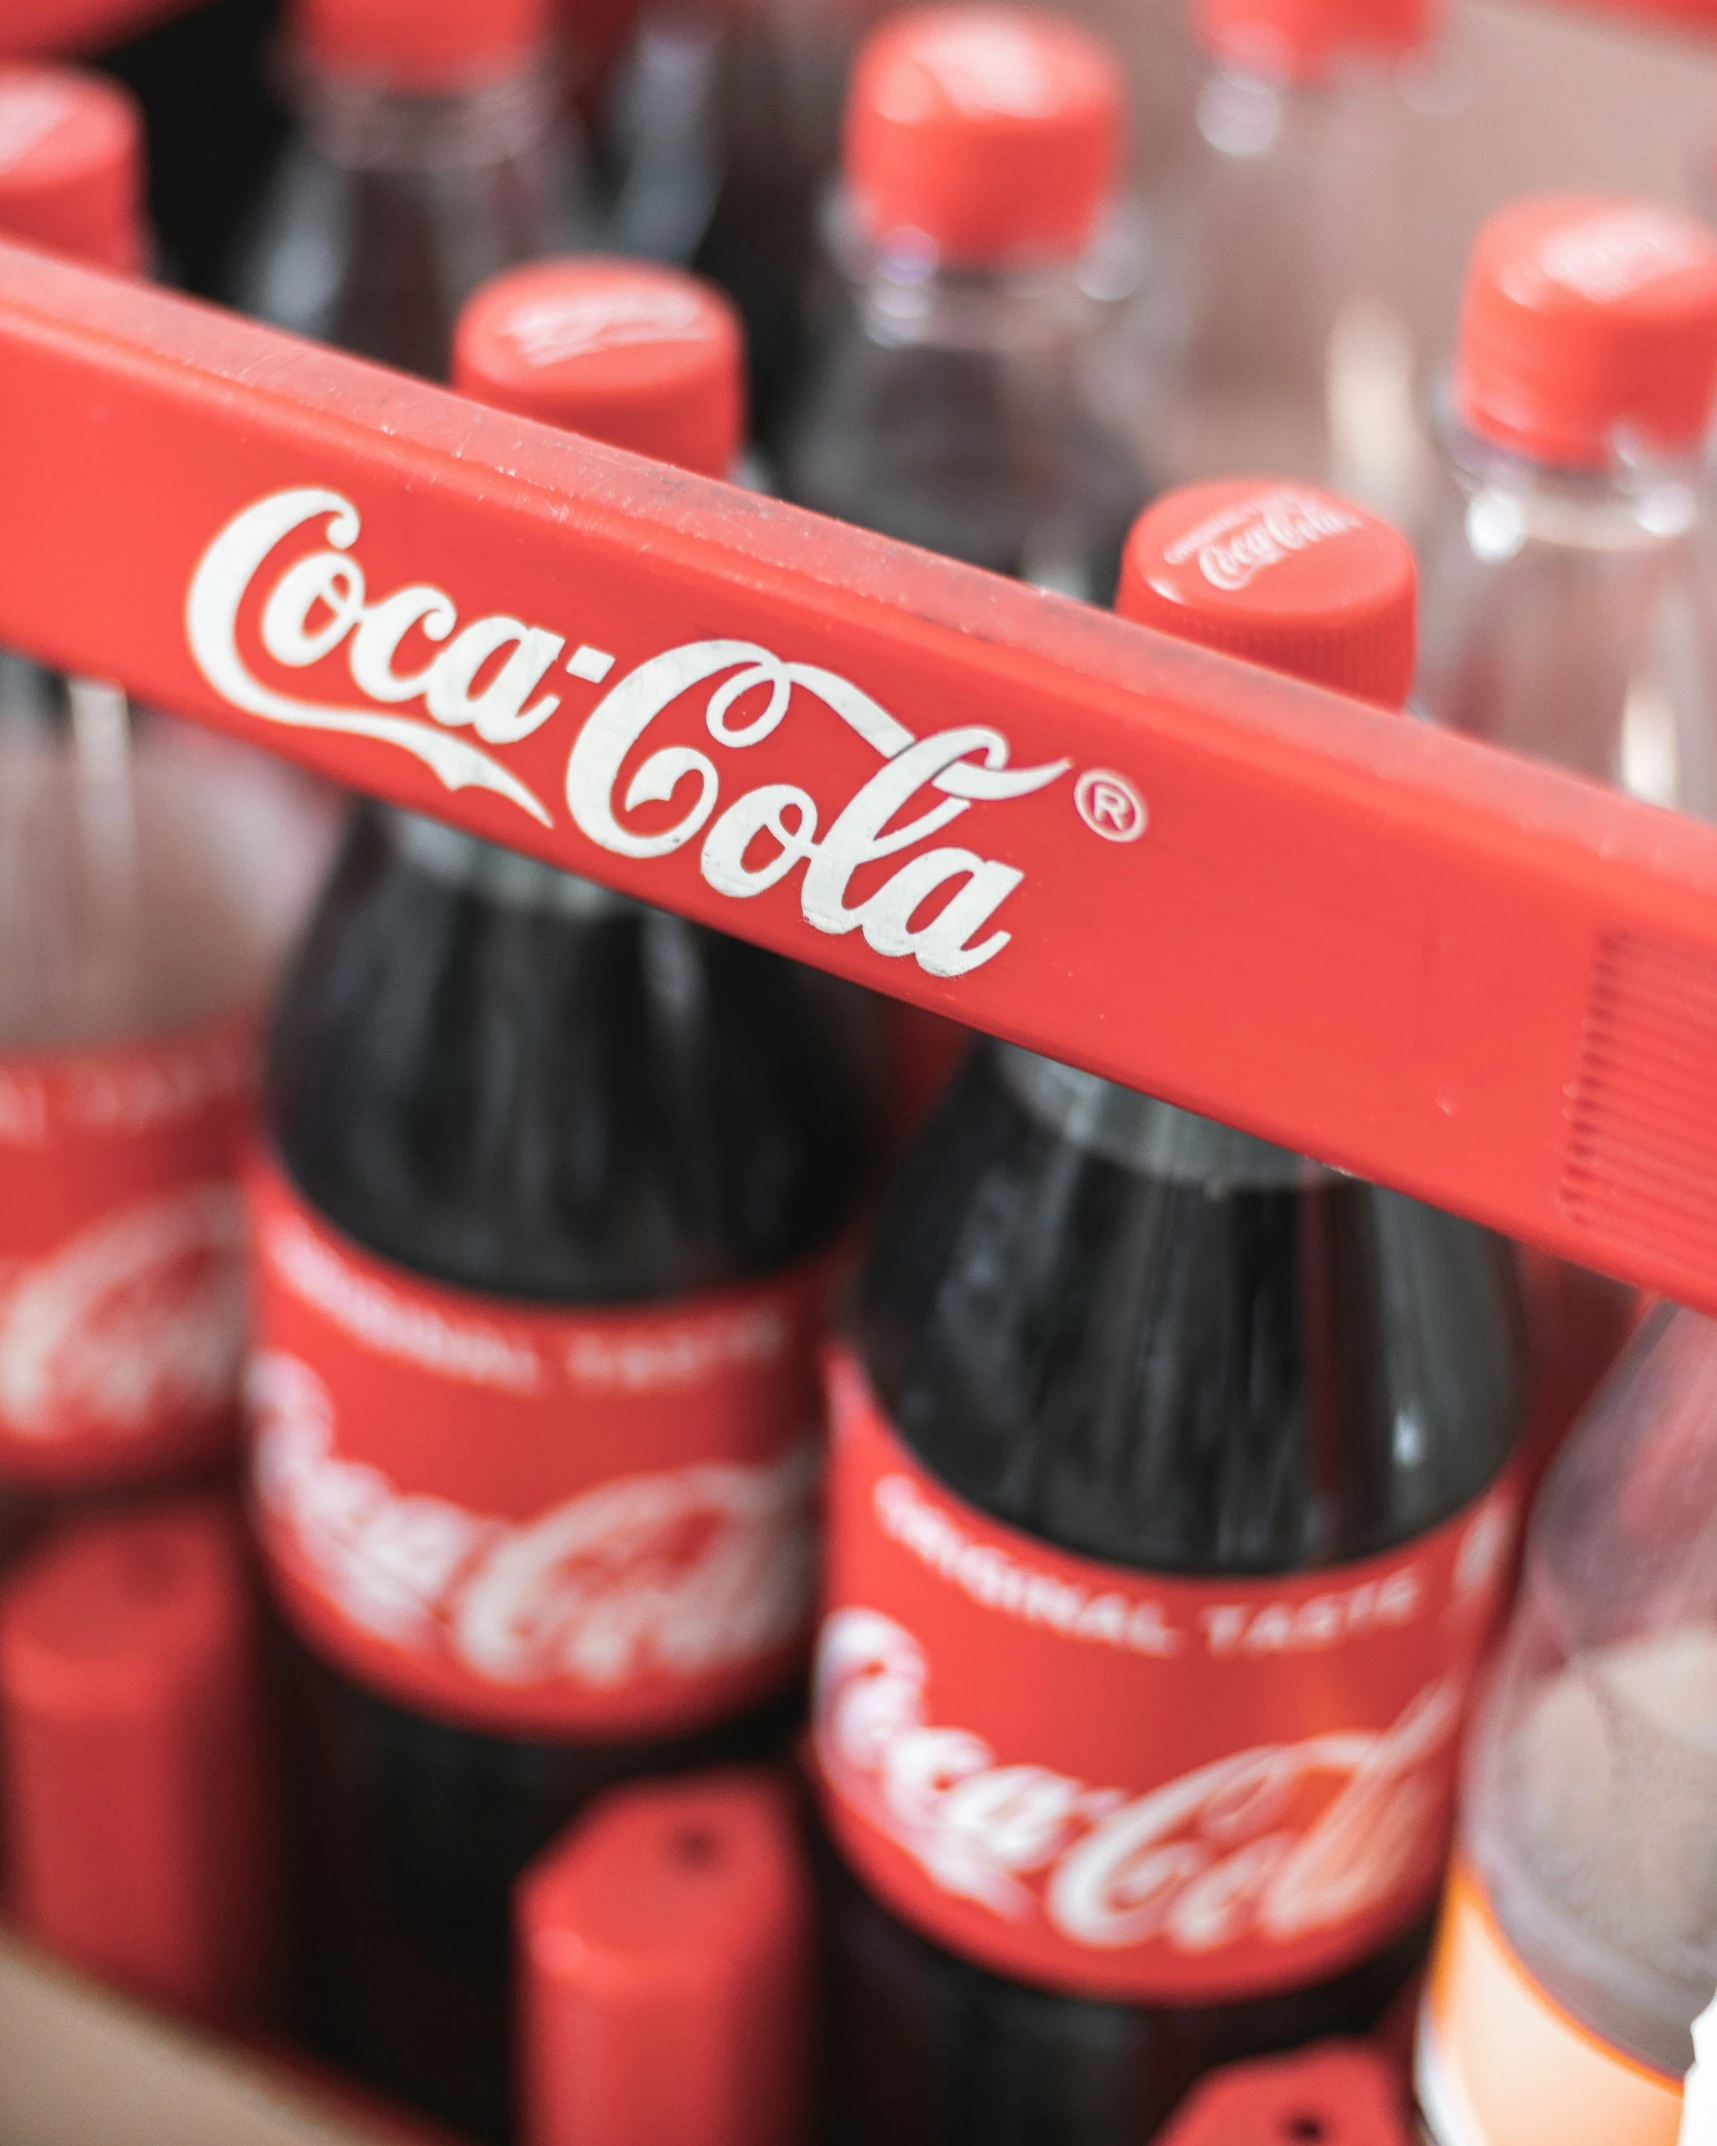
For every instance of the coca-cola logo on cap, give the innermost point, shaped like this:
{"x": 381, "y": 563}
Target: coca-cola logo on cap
{"x": 486, "y": 684}
{"x": 1235, "y": 546}
{"x": 548, "y": 329}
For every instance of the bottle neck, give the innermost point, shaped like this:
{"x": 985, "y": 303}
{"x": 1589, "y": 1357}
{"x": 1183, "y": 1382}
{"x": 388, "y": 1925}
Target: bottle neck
{"x": 905, "y": 297}
{"x": 496, "y": 875}
{"x": 1141, "y": 1134}
{"x": 361, "y": 125}
{"x": 1636, "y": 501}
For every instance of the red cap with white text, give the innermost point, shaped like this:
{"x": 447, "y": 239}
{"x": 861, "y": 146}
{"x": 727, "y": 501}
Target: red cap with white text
{"x": 665, "y": 1962}
{"x": 1282, "y": 574}
{"x": 71, "y": 166}
{"x": 1301, "y": 40}
{"x": 136, "y": 1792}
{"x": 989, "y": 134}
{"x": 626, "y": 352}
{"x": 429, "y": 46}
{"x": 1588, "y": 318}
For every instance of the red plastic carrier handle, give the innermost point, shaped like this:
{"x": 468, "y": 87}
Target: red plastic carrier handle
{"x": 1472, "y": 978}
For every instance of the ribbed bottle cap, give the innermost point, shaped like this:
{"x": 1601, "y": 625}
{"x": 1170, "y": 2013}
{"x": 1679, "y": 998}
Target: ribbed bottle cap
{"x": 1282, "y": 574}
{"x": 988, "y": 134}
{"x": 1586, "y": 318}
{"x": 71, "y": 166}
{"x": 137, "y": 1798}
{"x": 665, "y": 1963}
{"x": 1299, "y": 40}
{"x": 624, "y": 351}
{"x": 423, "y": 45}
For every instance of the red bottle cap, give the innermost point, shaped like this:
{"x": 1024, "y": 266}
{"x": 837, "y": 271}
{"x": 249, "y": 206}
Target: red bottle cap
{"x": 624, "y": 351}
{"x": 71, "y": 166}
{"x": 665, "y": 1971}
{"x": 1339, "y": 2093}
{"x": 424, "y": 45}
{"x": 991, "y": 133}
{"x": 1283, "y": 574}
{"x": 1587, "y": 316}
{"x": 1299, "y": 40}
{"x": 138, "y": 1812}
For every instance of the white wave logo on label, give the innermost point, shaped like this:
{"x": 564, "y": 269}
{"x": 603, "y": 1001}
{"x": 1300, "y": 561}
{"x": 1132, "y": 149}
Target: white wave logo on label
{"x": 1195, "y": 1864}
{"x": 681, "y": 1572}
{"x": 320, "y": 603}
{"x": 136, "y": 1319}
{"x": 1235, "y": 546}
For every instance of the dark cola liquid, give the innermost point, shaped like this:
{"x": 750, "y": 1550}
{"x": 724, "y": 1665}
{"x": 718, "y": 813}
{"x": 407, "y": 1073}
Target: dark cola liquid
{"x": 508, "y": 1080}
{"x": 1148, "y": 1340}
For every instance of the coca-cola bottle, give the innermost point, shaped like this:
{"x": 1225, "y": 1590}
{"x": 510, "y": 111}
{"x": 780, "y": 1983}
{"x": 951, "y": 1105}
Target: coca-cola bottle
{"x": 956, "y": 404}
{"x": 544, "y": 1244}
{"x": 1567, "y": 606}
{"x": 139, "y": 932}
{"x": 432, "y": 148}
{"x": 1278, "y": 332}
{"x": 1168, "y": 1518}
{"x": 954, "y": 407}
{"x": 1577, "y": 1955}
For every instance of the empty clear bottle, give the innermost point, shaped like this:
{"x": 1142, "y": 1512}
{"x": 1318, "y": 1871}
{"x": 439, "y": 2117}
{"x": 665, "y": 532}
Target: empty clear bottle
{"x": 956, "y": 406}
{"x": 1278, "y": 335}
{"x": 432, "y": 149}
{"x": 1566, "y": 605}
{"x": 138, "y": 934}
{"x": 1579, "y": 1936}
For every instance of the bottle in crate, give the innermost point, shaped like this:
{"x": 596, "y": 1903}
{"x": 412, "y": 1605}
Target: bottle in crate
{"x": 558, "y": 1191}
{"x": 957, "y": 403}
{"x": 1577, "y": 1953}
{"x": 1169, "y": 1515}
{"x": 954, "y": 407}
{"x": 149, "y": 878}
{"x": 1276, "y": 330}
{"x": 1568, "y": 608}
{"x": 432, "y": 148}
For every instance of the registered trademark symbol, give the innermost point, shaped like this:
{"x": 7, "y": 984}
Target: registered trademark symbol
{"x": 1109, "y": 805}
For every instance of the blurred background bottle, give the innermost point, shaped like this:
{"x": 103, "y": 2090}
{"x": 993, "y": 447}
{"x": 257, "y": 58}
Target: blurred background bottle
{"x": 433, "y": 146}
{"x": 1276, "y": 332}
{"x": 954, "y": 407}
{"x": 1579, "y": 1937}
{"x": 1568, "y": 603}
{"x": 150, "y": 876}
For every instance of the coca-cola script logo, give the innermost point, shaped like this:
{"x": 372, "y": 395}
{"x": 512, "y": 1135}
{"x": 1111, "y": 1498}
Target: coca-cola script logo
{"x": 682, "y": 1572}
{"x": 487, "y": 683}
{"x": 1235, "y": 546}
{"x": 1272, "y": 1843}
{"x": 134, "y": 1321}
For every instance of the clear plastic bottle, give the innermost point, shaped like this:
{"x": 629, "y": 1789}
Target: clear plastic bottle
{"x": 138, "y": 939}
{"x": 1579, "y": 1937}
{"x": 956, "y": 405}
{"x": 433, "y": 148}
{"x": 1276, "y": 336}
{"x": 1568, "y": 605}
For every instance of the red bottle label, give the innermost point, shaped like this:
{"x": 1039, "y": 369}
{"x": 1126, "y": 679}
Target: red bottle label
{"x": 122, "y": 1254}
{"x": 1122, "y": 1785}
{"x": 537, "y": 1522}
